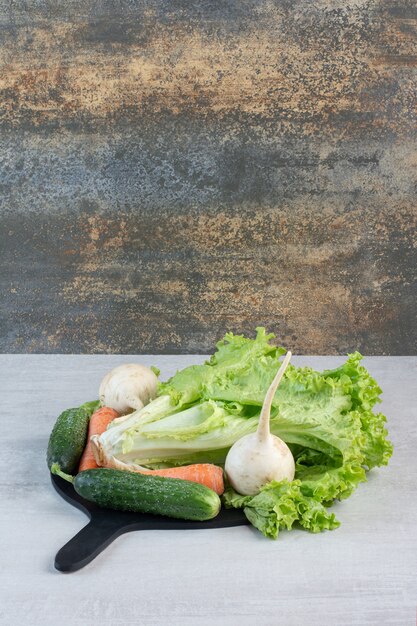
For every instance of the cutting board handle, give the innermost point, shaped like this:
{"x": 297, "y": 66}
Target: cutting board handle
{"x": 88, "y": 543}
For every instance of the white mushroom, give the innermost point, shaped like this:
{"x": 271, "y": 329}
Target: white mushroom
{"x": 260, "y": 457}
{"x": 128, "y": 387}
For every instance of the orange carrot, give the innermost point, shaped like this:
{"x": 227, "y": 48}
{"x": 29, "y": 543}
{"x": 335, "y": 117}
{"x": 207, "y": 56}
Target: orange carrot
{"x": 97, "y": 425}
{"x": 204, "y": 473}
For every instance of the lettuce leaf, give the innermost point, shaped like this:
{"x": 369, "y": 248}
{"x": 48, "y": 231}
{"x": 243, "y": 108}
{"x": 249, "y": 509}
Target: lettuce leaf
{"x": 326, "y": 418}
{"x": 279, "y": 506}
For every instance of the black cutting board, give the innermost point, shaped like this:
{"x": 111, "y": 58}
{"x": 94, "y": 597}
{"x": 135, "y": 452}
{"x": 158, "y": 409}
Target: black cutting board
{"x": 105, "y": 525}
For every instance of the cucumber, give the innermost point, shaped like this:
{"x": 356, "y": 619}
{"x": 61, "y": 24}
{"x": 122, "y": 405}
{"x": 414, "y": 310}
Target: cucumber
{"x": 68, "y": 438}
{"x": 143, "y": 493}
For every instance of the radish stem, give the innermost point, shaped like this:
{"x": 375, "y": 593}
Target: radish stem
{"x": 263, "y": 430}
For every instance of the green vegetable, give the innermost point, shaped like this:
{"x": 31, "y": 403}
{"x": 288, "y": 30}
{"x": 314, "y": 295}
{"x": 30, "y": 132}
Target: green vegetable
{"x": 280, "y": 505}
{"x": 56, "y": 469}
{"x": 68, "y": 439}
{"x": 325, "y": 418}
{"x": 127, "y": 491}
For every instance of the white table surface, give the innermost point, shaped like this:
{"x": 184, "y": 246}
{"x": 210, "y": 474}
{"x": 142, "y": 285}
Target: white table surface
{"x": 364, "y": 573}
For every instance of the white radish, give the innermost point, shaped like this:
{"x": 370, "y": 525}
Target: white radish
{"x": 128, "y": 387}
{"x": 256, "y": 459}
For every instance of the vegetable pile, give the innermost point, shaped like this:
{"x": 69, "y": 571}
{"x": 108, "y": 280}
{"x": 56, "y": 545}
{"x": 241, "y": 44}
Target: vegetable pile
{"x": 326, "y": 420}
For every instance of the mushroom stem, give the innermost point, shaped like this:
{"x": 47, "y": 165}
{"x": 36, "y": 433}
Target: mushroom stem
{"x": 263, "y": 431}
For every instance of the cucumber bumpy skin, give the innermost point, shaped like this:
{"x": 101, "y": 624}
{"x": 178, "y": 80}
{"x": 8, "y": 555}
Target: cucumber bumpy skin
{"x": 142, "y": 493}
{"x": 68, "y": 438}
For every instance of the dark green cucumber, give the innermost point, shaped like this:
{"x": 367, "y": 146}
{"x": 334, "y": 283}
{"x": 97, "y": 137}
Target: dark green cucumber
{"x": 68, "y": 438}
{"x": 128, "y": 491}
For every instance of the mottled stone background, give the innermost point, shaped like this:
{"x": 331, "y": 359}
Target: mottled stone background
{"x": 170, "y": 170}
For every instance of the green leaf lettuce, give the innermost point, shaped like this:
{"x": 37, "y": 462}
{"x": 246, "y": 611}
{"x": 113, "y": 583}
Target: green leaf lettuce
{"x": 326, "y": 418}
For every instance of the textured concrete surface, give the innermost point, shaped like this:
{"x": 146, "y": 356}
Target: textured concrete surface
{"x": 173, "y": 170}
